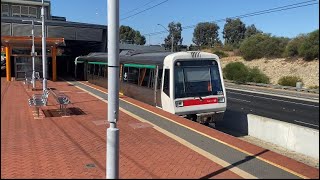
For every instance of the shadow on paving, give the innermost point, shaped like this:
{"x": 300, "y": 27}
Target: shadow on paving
{"x": 247, "y": 158}
{"x": 72, "y": 111}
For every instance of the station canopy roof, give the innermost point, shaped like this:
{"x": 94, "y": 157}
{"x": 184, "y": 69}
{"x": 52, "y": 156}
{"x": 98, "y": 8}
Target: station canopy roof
{"x": 26, "y": 41}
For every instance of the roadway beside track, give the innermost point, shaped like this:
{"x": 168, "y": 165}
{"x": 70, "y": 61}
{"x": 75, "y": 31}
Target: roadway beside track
{"x": 291, "y": 110}
{"x": 274, "y": 92}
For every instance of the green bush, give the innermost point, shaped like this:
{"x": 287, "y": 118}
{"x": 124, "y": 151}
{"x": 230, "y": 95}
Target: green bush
{"x": 255, "y": 75}
{"x": 228, "y": 47}
{"x": 251, "y": 48}
{"x": 236, "y": 72}
{"x": 221, "y": 54}
{"x": 274, "y": 47}
{"x": 263, "y": 45}
{"x": 289, "y": 81}
{"x": 292, "y": 48}
{"x": 309, "y": 49}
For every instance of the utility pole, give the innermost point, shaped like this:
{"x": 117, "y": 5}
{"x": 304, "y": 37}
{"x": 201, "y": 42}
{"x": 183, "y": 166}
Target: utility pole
{"x": 172, "y": 38}
{"x": 172, "y": 42}
{"x": 32, "y": 54}
{"x": 44, "y": 58}
{"x": 112, "y": 155}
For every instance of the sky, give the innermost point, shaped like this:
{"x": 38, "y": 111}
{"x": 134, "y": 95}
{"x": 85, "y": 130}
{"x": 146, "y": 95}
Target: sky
{"x": 286, "y": 23}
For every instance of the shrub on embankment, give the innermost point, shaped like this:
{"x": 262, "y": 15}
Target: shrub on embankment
{"x": 289, "y": 81}
{"x": 263, "y": 45}
{"x": 266, "y": 46}
{"x": 239, "y": 73}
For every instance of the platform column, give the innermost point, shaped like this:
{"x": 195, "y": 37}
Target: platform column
{"x": 8, "y": 62}
{"x": 54, "y": 63}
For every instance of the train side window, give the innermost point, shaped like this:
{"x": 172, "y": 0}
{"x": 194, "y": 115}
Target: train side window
{"x": 90, "y": 69}
{"x": 99, "y": 70}
{"x": 159, "y": 78}
{"x": 125, "y": 72}
{"x": 96, "y": 70}
{"x": 146, "y": 77}
{"x": 105, "y": 71}
{"x": 166, "y": 82}
{"x": 131, "y": 75}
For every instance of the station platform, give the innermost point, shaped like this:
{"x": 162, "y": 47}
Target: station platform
{"x": 153, "y": 143}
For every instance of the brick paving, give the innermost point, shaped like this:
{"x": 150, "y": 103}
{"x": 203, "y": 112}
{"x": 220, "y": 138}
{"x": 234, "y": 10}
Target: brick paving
{"x": 57, "y": 146}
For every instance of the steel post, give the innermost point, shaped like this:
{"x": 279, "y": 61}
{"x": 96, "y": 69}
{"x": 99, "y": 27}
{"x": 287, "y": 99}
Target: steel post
{"x": 33, "y": 58}
{"x": 113, "y": 90}
{"x": 44, "y": 58}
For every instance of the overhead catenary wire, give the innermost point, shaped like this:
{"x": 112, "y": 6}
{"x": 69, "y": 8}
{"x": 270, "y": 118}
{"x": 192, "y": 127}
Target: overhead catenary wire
{"x": 144, "y": 10}
{"x": 128, "y": 12}
{"x": 254, "y": 14}
{"x": 271, "y": 10}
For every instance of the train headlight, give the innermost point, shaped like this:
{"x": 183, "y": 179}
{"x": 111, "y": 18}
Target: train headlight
{"x": 220, "y": 99}
{"x": 179, "y": 103}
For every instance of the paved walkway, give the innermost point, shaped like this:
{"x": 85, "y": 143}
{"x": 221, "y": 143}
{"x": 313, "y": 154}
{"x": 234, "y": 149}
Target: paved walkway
{"x": 73, "y": 146}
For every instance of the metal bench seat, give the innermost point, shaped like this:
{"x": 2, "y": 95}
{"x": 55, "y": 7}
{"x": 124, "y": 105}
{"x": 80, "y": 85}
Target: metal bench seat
{"x": 39, "y": 100}
{"x": 37, "y": 103}
{"x": 29, "y": 77}
{"x": 43, "y": 96}
{"x": 28, "y": 81}
{"x": 63, "y": 101}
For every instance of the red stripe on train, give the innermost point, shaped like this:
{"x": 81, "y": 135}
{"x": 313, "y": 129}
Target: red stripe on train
{"x": 194, "y": 102}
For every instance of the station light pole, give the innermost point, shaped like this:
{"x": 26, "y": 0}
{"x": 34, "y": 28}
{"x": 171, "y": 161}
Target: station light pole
{"x": 44, "y": 58}
{"x": 172, "y": 38}
{"x": 112, "y": 166}
{"x": 32, "y": 54}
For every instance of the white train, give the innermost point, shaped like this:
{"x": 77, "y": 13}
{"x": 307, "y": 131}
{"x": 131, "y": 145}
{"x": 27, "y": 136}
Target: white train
{"x": 188, "y": 84}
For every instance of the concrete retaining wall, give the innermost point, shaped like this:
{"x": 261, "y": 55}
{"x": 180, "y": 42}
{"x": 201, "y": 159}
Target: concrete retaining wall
{"x": 290, "y": 136}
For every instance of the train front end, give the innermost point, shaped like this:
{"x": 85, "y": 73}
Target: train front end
{"x": 198, "y": 87}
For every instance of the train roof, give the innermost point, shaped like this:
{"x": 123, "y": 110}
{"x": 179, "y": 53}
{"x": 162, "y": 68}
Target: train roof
{"x": 155, "y": 58}
{"x": 134, "y": 57}
{"x": 130, "y": 56}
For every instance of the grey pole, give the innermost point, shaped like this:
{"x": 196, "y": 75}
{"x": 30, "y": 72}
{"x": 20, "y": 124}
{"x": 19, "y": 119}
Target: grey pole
{"x": 172, "y": 43}
{"x": 32, "y": 54}
{"x": 44, "y": 58}
{"x": 172, "y": 38}
{"x": 113, "y": 90}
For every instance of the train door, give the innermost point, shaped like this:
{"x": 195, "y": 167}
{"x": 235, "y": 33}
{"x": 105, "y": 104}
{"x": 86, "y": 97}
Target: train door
{"x": 166, "y": 94}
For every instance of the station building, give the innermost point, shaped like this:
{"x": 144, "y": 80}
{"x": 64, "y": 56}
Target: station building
{"x": 65, "y": 40}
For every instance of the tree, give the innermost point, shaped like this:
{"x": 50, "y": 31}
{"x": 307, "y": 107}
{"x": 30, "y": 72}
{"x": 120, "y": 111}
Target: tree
{"x": 234, "y": 32}
{"x": 129, "y": 35}
{"x": 252, "y": 30}
{"x": 139, "y": 39}
{"x": 206, "y": 34}
{"x": 175, "y": 29}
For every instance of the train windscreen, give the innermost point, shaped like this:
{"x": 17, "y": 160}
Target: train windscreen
{"x": 197, "y": 78}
